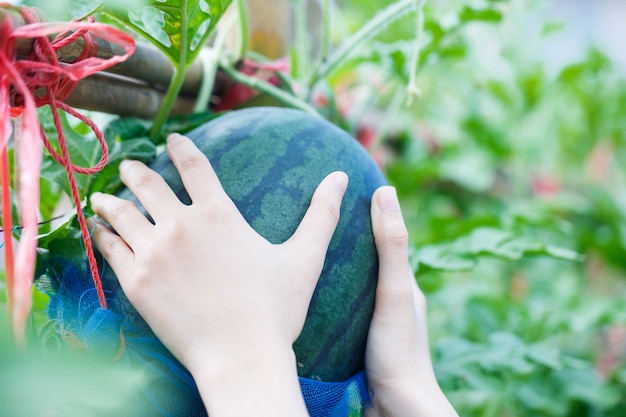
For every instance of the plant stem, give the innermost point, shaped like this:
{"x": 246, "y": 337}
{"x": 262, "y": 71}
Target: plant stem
{"x": 269, "y": 89}
{"x": 301, "y": 50}
{"x": 244, "y": 24}
{"x": 168, "y": 103}
{"x": 413, "y": 89}
{"x": 210, "y": 64}
{"x": 7, "y": 224}
{"x": 325, "y": 49}
{"x": 177, "y": 80}
{"x": 391, "y": 114}
{"x": 326, "y": 40}
{"x": 368, "y": 31}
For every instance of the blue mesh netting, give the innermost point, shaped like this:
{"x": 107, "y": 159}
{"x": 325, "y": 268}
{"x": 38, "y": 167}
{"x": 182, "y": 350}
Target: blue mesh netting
{"x": 170, "y": 390}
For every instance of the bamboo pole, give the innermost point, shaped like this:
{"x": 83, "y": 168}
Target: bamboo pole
{"x": 112, "y": 94}
{"x": 122, "y": 96}
{"x": 131, "y": 88}
{"x": 147, "y": 63}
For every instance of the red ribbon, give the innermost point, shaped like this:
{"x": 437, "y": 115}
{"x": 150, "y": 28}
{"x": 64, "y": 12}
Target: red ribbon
{"x": 19, "y": 79}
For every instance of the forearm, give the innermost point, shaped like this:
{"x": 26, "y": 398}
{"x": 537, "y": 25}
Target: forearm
{"x": 259, "y": 383}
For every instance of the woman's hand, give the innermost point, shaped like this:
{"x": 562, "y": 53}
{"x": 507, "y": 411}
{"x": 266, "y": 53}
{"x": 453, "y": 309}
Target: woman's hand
{"x": 226, "y": 302}
{"x": 397, "y": 360}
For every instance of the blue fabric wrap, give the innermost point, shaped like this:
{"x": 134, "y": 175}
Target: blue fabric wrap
{"x": 170, "y": 391}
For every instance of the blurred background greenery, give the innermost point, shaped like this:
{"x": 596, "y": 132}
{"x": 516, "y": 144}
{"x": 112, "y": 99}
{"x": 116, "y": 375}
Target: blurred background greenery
{"x": 516, "y": 143}
{"x": 510, "y": 169}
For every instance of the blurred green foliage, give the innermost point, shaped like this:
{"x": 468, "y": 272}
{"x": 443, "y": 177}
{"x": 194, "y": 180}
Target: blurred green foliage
{"x": 504, "y": 150}
{"x": 510, "y": 172}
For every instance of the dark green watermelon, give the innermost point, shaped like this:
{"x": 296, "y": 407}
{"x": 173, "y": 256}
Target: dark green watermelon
{"x": 270, "y": 161}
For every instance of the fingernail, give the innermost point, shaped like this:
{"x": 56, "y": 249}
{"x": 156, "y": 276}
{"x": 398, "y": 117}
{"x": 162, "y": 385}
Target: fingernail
{"x": 95, "y": 196}
{"x": 124, "y": 164}
{"x": 172, "y": 138}
{"x": 387, "y": 199}
{"x": 340, "y": 181}
{"x": 91, "y": 223}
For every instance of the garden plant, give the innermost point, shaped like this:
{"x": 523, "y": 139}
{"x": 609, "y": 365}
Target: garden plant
{"x": 509, "y": 169}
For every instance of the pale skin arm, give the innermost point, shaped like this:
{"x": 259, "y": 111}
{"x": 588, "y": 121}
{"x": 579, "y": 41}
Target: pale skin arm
{"x": 232, "y": 323}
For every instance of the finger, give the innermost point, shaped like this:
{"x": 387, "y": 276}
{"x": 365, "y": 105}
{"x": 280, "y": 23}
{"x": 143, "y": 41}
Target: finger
{"x": 194, "y": 168}
{"x": 395, "y": 278}
{"x": 123, "y": 216}
{"x": 116, "y": 252}
{"x": 150, "y": 188}
{"x": 320, "y": 221}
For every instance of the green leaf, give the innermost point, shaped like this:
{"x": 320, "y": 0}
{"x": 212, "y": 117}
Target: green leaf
{"x": 545, "y": 355}
{"x": 586, "y": 385}
{"x": 382, "y": 20}
{"x": 82, "y": 8}
{"x": 463, "y": 253}
{"x": 183, "y": 123}
{"x": 126, "y": 128}
{"x": 456, "y": 51}
{"x": 179, "y": 28}
{"x": 84, "y": 151}
{"x": 68, "y": 230}
{"x": 126, "y": 139}
{"x": 507, "y": 353}
{"x": 551, "y": 28}
{"x": 540, "y": 397}
{"x": 55, "y": 250}
{"x": 108, "y": 180}
{"x": 472, "y": 169}
{"x": 469, "y": 14}
{"x": 438, "y": 258}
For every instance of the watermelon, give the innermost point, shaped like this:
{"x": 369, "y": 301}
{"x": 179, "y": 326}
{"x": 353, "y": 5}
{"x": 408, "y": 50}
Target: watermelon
{"x": 270, "y": 161}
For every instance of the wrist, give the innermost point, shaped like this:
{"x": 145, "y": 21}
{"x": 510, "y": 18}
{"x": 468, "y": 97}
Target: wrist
{"x": 247, "y": 380}
{"x": 414, "y": 400}
{"x": 390, "y": 402}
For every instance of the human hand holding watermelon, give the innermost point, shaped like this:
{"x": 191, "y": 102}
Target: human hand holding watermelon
{"x": 269, "y": 162}
{"x": 397, "y": 359}
{"x": 255, "y": 294}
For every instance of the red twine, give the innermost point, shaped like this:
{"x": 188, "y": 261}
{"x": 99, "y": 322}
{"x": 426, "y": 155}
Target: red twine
{"x": 53, "y": 82}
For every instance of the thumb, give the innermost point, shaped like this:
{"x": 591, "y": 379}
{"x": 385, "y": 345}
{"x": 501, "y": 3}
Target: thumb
{"x": 395, "y": 278}
{"x": 320, "y": 221}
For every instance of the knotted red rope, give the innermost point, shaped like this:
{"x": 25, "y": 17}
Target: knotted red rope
{"x": 26, "y": 84}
